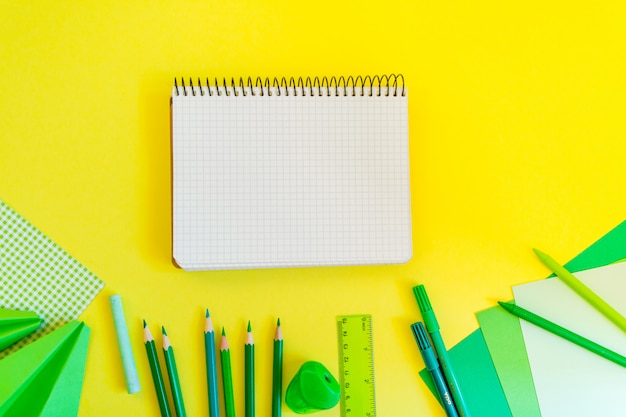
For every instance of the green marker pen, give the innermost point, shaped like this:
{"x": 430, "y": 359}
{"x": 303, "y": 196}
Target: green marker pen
{"x": 432, "y": 326}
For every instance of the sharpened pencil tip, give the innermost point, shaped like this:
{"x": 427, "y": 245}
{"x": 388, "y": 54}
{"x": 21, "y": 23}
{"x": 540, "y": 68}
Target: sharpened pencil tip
{"x": 249, "y": 326}
{"x": 144, "y": 324}
{"x": 208, "y": 324}
{"x": 207, "y": 315}
{"x": 278, "y": 336}
{"x": 223, "y": 331}
{"x": 163, "y": 330}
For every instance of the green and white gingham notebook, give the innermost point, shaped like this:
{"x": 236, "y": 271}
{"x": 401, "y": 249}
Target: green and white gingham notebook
{"x": 38, "y": 275}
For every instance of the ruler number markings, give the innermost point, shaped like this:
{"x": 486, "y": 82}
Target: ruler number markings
{"x": 356, "y": 366}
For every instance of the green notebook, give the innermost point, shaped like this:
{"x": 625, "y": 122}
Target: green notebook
{"x": 39, "y": 276}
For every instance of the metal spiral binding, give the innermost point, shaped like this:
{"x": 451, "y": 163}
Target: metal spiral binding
{"x": 384, "y": 85}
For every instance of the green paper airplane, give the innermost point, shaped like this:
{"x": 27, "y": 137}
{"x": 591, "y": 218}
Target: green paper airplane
{"x": 15, "y": 324}
{"x": 45, "y": 378}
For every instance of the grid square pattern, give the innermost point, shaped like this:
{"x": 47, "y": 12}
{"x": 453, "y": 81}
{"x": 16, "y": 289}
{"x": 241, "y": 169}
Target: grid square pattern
{"x": 290, "y": 180}
{"x": 38, "y": 275}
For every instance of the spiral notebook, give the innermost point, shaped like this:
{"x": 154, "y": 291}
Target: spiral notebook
{"x": 290, "y": 173}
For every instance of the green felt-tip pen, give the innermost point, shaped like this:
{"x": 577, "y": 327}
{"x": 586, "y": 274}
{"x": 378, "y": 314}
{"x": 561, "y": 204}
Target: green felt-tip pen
{"x": 564, "y": 333}
{"x": 432, "y": 326}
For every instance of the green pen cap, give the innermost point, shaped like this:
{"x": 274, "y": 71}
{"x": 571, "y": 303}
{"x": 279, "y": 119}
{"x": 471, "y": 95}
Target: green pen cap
{"x": 312, "y": 389}
{"x": 430, "y": 320}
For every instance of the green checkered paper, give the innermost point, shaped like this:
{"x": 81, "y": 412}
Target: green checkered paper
{"x": 38, "y": 275}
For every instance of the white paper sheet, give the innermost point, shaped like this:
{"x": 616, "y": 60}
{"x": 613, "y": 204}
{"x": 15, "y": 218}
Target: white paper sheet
{"x": 569, "y": 380}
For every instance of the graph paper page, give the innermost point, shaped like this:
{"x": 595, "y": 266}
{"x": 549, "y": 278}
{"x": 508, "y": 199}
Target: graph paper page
{"x": 283, "y": 180}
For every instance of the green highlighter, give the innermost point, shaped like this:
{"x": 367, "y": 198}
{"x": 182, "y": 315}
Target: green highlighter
{"x": 432, "y": 326}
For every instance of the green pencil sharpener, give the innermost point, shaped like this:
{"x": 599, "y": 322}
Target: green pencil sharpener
{"x": 312, "y": 389}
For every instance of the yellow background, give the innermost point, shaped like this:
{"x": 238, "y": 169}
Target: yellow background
{"x": 517, "y": 139}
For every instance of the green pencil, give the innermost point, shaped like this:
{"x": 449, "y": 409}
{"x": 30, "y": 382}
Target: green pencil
{"x": 227, "y": 377}
{"x": 155, "y": 368}
{"x": 277, "y": 372}
{"x": 564, "y": 333}
{"x": 249, "y": 373}
{"x": 582, "y": 290}
{"x": 211, "y": 367}
{"x": 172, "y": 372}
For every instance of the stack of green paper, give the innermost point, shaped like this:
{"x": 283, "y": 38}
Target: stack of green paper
{"x": 491, "y": 363}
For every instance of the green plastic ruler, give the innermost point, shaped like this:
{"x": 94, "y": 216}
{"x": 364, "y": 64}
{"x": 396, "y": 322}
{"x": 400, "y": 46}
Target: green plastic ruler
{"x": 356, "y": 365}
